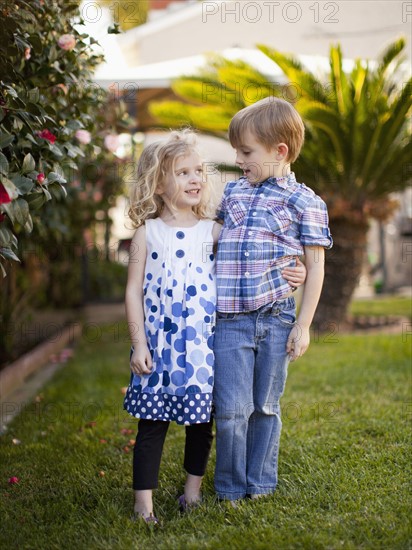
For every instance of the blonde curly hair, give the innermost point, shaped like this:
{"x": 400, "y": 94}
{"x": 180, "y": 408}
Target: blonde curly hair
{"x": 156, "y": 161}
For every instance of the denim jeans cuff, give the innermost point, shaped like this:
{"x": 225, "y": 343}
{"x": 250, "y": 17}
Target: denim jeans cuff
{"x": 261, "y": 490}
{"x": 230, "y": 496}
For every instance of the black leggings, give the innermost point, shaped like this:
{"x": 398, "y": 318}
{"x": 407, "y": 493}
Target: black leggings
{"x": 148, "y": 449}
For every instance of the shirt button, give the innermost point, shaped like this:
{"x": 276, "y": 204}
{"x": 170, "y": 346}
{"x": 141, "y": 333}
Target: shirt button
{"x": 254, "y": 214}
{"x": 246, "y": 253}
{"x": 247, "y": 274}
{"x": 250, "y": 232}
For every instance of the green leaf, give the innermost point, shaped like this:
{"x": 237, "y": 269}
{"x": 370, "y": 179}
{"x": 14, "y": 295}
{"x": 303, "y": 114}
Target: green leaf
{"x": 17, "y": 124}
{"x": 46, "y": 194}
{"x": 6, "y": 237}
{"x": 33, "y": 95}
{"x": 36, "y": 200}
{"x": 9, "y": 254}
{"x": 74, "y": 124}
{"x": 56, "y": 150}
{"x": 8, "y": 208}
{"x": 26, "y": 118}
{"x": 53, "y": 53}
{"x": 34, "y": 109}
{"x": 24, "y": 185}
{"x": 18, "y": 211}
{"x": 64, "y": 190}
{"x": 11, "y": 91}
{"x": 28, "y": 226}
{"x": 53, "y": 176}
{"x": 29, "y": 164}
{"x": 5, "y": 139}
{"x": 4, "y": 165}
{"x": 29, "y": 137}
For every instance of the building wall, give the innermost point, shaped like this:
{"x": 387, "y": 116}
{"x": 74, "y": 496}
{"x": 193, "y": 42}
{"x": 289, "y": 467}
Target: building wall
{"x": 363, "y": 28}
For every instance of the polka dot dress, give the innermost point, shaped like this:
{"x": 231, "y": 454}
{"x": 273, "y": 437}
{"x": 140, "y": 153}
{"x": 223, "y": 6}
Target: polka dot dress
{"x": 179, "y": 305}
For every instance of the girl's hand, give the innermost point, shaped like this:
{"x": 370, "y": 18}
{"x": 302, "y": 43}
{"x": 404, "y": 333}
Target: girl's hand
{"x": 295, "y": 276}
{"x": 141, "y": 361}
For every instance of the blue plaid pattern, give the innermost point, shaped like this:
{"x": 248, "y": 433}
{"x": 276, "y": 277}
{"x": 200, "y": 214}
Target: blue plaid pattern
{"x": 264, "y": 227}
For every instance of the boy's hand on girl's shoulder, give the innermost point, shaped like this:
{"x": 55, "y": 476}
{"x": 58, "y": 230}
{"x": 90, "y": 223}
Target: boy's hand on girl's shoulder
{"x": 298, "y": 342}
{"x": 141, "y": 361}
{"x": 296, "y": 275}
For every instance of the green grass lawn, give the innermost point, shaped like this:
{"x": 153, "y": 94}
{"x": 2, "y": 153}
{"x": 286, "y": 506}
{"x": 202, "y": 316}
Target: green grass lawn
{"x": 383, "y": 305}
{"x": 344, "y": 467}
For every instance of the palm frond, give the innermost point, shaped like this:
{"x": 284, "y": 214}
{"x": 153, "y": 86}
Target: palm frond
{"x": 339, "y": 81}
{"x": 325, "y": 119}
{"x": 199, "y": 91}
{"x": 307, "y": 83}
{"x": 399, "y": 112}
{"x": 391, "y": 53}
{"x": 171, "y": 114}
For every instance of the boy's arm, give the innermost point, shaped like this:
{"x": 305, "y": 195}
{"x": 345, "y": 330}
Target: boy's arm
{"x": 299, "y": 337}
{"x": 141, "y": 361}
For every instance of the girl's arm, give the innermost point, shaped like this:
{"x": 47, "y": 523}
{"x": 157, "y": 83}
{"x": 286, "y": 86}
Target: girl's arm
{"x": 141, "y": 361}
{"x": 217, "y": 228}
{"x": 299, "y": 337}
{"x": 295, "y": 276}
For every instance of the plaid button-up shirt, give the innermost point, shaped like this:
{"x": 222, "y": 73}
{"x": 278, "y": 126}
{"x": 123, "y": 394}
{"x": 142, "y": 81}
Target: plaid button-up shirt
{"x": 264, "y": 227}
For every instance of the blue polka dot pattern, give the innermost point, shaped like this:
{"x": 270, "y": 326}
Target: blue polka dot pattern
{"x": 180, "y": 338}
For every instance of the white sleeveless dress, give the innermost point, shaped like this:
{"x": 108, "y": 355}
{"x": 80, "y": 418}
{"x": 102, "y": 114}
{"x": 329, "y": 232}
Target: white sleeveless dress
{"x": 179, "y": 306}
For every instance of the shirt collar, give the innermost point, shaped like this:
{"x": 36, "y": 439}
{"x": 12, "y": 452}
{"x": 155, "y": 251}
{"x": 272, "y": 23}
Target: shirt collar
{"x": 284, "y": 181}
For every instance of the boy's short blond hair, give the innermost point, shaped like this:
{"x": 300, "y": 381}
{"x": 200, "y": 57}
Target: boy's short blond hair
{"x": 272, "y": 120}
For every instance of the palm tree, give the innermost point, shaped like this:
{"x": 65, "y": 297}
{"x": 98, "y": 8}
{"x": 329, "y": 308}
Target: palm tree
{"x": 357, "y": 150}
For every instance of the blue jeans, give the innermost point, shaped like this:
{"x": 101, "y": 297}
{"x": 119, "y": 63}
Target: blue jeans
{"x": 250, "y": 375}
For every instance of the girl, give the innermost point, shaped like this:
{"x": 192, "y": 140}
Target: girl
{"x": 170, "y": 307}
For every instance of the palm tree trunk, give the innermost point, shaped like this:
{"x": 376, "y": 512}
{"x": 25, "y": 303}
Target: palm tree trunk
{"x": 342, "y": 272}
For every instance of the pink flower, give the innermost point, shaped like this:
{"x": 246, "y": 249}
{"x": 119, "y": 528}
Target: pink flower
{"x": 40, "y": 178}
{"x": 27, "y": 54}
{"x": 46, "y": 134}
{"x": 111, "y": 142}
{"x": 62, "y": 87}
{"x": 13, "y": 480}
{"x": 83, "y": 136}
{"x": 67, "y": 42}
{"x": 97, "y": 196}
{"x": 4, "y": 196}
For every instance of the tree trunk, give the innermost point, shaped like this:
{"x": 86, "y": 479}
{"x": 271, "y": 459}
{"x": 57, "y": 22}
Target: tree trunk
{"x": 342, "y": 272}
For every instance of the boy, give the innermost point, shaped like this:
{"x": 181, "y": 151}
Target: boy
{"x": 268, "y": 219}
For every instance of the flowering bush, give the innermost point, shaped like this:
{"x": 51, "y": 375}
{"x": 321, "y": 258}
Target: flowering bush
{"x": 49, "y": 109}
{"x": 56, "y": 175}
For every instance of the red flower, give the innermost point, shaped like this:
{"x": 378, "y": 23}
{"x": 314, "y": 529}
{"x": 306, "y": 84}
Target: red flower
{"x": 40, "y": 178}
{"x": 49, "y": 136}
{"x": 4, "y": 196}
{"x": 13, "y": 480}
